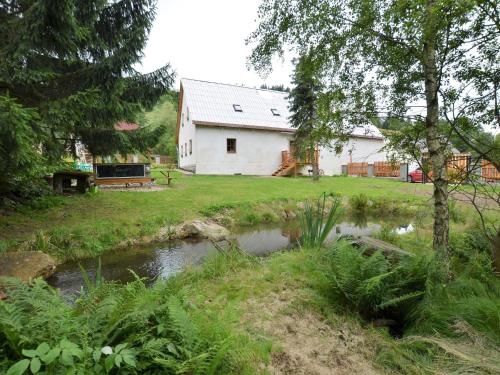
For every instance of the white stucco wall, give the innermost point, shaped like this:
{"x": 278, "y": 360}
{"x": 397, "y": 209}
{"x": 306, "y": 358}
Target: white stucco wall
{"x": 186, "y": 133}
{"x": 363, "y": 150}
{"x": 258, "y": 152}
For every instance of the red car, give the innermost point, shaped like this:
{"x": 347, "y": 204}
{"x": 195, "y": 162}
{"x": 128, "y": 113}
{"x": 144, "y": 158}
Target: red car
{"x": 415, "y": 176}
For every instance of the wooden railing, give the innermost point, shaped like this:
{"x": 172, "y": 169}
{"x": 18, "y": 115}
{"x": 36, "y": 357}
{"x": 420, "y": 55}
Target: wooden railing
{"x": 288, "y": 158}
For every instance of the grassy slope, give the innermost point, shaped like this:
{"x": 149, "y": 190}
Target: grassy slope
{"x": 127, "y": 211}
{"x": 285, "y": 299}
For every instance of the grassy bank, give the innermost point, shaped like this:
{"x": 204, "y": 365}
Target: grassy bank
{"x": 243, "y": 315}
{"x": 87, "y": 225}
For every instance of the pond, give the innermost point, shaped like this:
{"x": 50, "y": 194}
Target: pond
{"x": 159, "y": 261}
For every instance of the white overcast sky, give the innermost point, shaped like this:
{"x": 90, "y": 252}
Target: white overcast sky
{"x": 206, "y": 40}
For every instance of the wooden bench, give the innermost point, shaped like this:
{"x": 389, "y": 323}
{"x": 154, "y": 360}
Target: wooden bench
{"x": 124, "y": 181}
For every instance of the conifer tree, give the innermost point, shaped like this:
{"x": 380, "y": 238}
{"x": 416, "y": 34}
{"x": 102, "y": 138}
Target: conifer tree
{"x": 303, "y": 105}
{"x": 67, "y": 73}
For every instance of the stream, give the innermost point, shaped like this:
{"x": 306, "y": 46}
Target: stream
{"x": 162, "y": 260}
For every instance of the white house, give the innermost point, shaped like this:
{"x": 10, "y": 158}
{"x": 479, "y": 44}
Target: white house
{"x": 229, "y": 129}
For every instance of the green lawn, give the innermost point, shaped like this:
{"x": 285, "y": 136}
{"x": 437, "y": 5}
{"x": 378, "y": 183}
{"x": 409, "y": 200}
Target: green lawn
{"x": 185, "y": 199}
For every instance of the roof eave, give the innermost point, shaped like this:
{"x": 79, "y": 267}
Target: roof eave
{"x": 241, "y": 126}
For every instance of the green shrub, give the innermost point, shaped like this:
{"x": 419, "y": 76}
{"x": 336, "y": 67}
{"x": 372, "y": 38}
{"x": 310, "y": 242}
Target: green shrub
{"x": 359, "y": 203}
{"x": 250, "y": 218}
{"x": 317, "y": 221}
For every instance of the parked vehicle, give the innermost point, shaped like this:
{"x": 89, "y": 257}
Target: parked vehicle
{"x": 415, "y": 176}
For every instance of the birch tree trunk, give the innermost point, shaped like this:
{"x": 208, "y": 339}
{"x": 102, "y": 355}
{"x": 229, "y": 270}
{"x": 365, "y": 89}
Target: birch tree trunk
{"x": 436, "y": 150}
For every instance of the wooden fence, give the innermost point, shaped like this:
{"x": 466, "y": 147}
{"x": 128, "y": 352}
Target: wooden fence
{"x": 458, "y": 167}
{"x": 357, "y": 169}
{"x": 489, "y": 171}
{"x": 386, "y": 169}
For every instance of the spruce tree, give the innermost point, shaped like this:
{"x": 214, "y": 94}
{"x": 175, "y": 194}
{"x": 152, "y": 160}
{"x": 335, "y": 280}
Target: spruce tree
{"x": 303, "y": 106}
{"x": 67, "y": 75}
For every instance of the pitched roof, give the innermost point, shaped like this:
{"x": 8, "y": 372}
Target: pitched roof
{"x": 124, "y": 126}
{"x": 213, "y": 103}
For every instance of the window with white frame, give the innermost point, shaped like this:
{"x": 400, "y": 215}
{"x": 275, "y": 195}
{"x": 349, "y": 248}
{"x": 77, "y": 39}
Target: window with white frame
{"x": 190, "y": 146}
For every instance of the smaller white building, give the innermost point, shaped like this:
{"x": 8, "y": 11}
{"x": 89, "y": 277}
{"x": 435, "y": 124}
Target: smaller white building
{"x": 227, "y": 129}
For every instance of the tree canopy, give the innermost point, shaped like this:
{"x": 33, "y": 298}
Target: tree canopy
{"x": 432, "y": 61}
{"x": 67, "y": 75}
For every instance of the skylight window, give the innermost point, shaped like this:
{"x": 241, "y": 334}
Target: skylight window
{"x": 275, "y": 112}
{"x": 237, "y": 108}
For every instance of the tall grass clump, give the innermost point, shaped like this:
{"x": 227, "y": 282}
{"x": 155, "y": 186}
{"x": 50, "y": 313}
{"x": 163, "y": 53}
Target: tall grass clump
{"x": 317, "y": 220}
{"x": 359, "y": 203}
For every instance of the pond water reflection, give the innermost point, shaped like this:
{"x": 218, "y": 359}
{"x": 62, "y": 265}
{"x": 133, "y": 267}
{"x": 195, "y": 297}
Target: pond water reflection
{"x": 159, "y": 261}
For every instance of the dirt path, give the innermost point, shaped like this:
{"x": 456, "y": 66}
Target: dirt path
{"x": 309, "y": 345}
{"x": 457, "y": 195}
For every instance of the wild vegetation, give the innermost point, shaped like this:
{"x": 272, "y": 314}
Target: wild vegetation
{"x": 206, "y": 319}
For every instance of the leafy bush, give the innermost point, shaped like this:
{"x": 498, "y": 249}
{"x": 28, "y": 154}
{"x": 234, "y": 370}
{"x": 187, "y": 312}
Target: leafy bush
{"x": 410, "y": 293}
{"x": 373, "y": 286}
{"x": 315, "y": 227}
{"x": 112, "y": 329}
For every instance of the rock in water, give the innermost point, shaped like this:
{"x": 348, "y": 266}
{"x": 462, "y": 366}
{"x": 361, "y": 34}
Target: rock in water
{"x": 205, "y": 229}
{"x": 26, "y": 265}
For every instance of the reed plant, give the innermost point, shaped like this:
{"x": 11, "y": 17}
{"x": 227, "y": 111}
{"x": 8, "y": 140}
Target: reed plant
{"x": 318, "y": 219}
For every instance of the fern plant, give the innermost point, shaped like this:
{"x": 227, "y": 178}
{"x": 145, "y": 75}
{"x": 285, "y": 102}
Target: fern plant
{"x": 372, "y": 285}
{"x": 110, "y": 328}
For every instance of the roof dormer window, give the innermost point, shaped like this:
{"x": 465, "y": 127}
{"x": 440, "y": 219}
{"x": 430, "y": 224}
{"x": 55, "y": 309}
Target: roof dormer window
{"x": 237, "y": 108}
{"x": 275, "y": 112}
